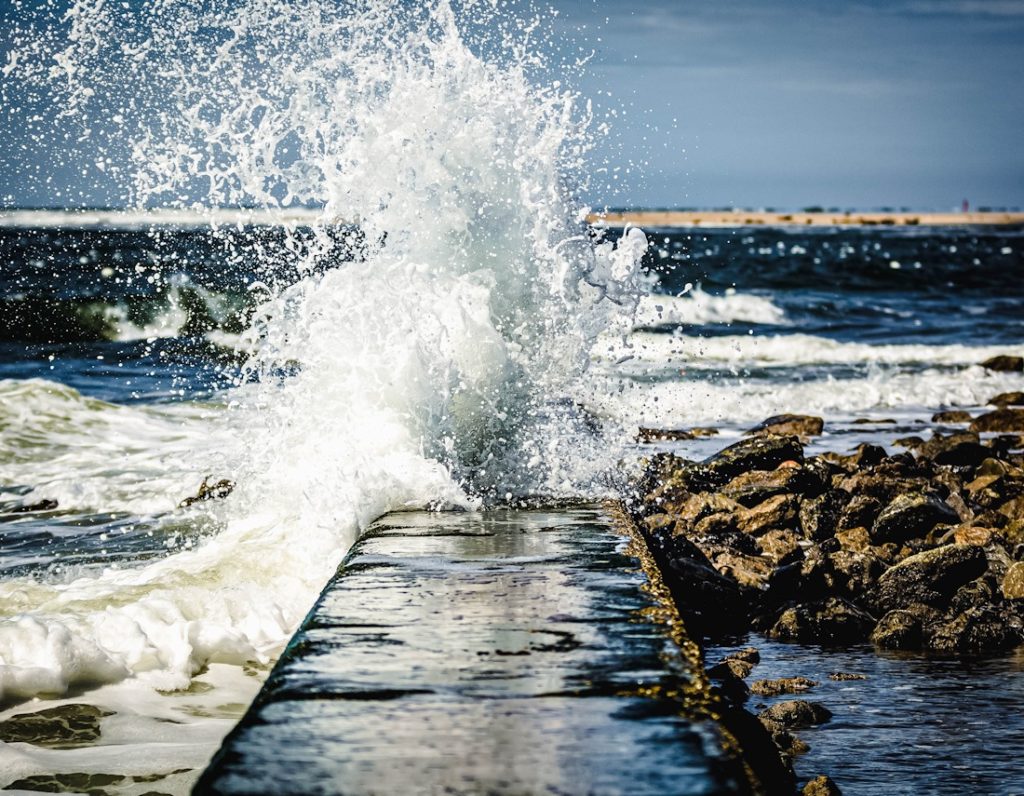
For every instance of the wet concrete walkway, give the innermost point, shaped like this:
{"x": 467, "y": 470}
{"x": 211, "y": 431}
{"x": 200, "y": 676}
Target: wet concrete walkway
{"x": 508, "y": 652}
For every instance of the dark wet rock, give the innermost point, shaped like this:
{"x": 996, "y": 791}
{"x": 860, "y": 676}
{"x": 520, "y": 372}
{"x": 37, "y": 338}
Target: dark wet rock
{"x": 697, "y": 507}
{"x": 748, "y": 654}
{"x": 1004, "y": 363}
{"x": 1007, "y": 399}
{"x": 841, "y": 677}
{"x": 868, "y": 455}
{"x": 757, "y": 453}
{"x": 208, "y": 491}
{"x": 912, "y": 442}
{"x": 1000, "y": 420}
{"x": 829, "y": 621}
{"x": 1013, "y": 582}
{"x": 979, "y": 592}
{"x": 796, "y": 714}
{"x": 819, "y": 517}
{"x": 751, "y": 571}
{"x": 787, "y": 743}
{"x": 860, "y": 512}
{"x": 821, "y": 786}
{"x": 672, "y": 434}
{"x": 61, "y": 727}
{"x": 779, "y": 512}
{"x": 930, "y": 578}
{"x": 796, "y": 425}
{"x": 982, "y": 629}
{"x": 785, "y": 685}
{"x": 911, "y": 516}
{"x": 760, "y": 750}
{"x": 952, "y": 416}
{"x": 39, "y": 505}
{"x": 728, "y": 684}
{"x": 711, "y": 603}
{"x": 899, "y": 630}
{"x": 730, "y": 667}
{"x": 756, "y": 486}
{"x": 961, "y": 449}
{"x": 850, "y": 573}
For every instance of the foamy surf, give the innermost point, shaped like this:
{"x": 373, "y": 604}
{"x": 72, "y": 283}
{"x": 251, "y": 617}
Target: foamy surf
{"x": 424, "y": 371}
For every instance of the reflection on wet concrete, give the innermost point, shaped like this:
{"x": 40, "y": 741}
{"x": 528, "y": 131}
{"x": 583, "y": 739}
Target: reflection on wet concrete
{"x": 506, "y": 652}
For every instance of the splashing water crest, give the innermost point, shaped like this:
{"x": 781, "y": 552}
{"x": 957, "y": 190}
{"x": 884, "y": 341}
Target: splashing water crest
{"x": 439, "y": 364}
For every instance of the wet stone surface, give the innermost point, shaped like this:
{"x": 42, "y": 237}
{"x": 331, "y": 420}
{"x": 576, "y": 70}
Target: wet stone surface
{"x": 504, "y": 652}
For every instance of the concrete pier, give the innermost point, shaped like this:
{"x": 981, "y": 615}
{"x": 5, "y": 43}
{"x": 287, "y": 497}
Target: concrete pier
{"x": 506, "y": 652}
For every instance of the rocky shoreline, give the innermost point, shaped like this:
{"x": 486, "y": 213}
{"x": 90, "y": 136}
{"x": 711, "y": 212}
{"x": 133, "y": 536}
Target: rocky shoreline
{"x": 918, "y": 550}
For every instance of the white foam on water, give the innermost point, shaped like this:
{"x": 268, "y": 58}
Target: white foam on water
{"x": 698, "y": 307}
{"x": 652, "y": 352}
{"x": 428, "y": 373}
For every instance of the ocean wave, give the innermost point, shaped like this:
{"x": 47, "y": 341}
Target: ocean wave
{"x": 697, "y": 308}
{"x": 652, "y": 353}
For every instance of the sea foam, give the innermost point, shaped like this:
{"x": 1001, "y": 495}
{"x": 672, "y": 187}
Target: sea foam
{"x": 430, "y": 369}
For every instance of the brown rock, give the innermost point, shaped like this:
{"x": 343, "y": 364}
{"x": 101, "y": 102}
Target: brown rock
{"x": 929, "y": 578}
{"x": 899, "y": 630}
{"x": 777, "y": 512}
{"x": 758, "y": 453}
{"x": 1004, "y": 363}
{"x": 1008, "y": 399}
{"x": 796, "y": 425}
{"x": 756, "y": 486}
{"x": 733, "y": 666}
{"x": 829, "y": 621}
{"x": 672, "y": 434}
{"x": 751, "y": 571}
{"x": 979, "y": 537}
{"x": 1000, "y": 420}
{"x": 860, "y": 512}
{"x": 819, "y": 517}
{"x": 855, "y": 539}
{"x": 796, "y": 714}
{"x": 981, "y": 629}
{"x": 910, "y": 517}
{"x": 786, "y": 685}
{"x": 748, "y": 654}
{"x": 952, "y": 416}
{"x": 1013, "y": 582}
{"x": 844, "y": 676}
{"x": 963, "y": 448}
{"x": 821, "y": 786}
{"x": 780, "y": 545}
{"x": 787, "y": 743}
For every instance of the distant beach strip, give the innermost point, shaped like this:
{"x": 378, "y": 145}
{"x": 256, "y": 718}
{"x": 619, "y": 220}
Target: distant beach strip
{"x": 751, "y": 218}
{"x": 651, "y": 219}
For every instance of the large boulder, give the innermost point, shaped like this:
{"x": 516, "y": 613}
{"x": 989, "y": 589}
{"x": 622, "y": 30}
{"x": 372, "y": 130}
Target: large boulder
{"x": 779, "y": 512}
{"x": 983, "y": 629}
{"x": 1004, "y": 363}
{"x": 929, "y": 578}
{"x": 829, "y": 621}
{"x": 903, "y": 629}
{"x": 819, "y": 517}
{"x": 796, "y": 714}
{"x": 1008, "y": 399}
{"x": 1000, "y": 420}
{"x": 756, "y": 453}
{"x": 959, "y": 450}
{"x": 911, "y": 517}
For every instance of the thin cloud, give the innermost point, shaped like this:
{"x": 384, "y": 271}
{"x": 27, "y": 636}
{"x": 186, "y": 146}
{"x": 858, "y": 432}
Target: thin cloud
{"x": 989, "y": 8}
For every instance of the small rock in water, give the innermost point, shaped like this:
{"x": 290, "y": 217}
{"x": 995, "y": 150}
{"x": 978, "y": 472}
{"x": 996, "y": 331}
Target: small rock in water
{"x": 1000, "y": 420}
{"x": 830, "y": 621}
{"x": 62, "y": 727}
{"x": 796, "y": 425}
{"x": 1004, "y": 363}
{"x": 1008, "y": 399}
{"x": 208, "y": 491}
{"x": 840, "y": 677}
{"x": 41, "y": 505}
{"x": 821, "y": 786}
{"x": 785, "y": 685}
{"x": 952, "y": 416}
{"x": 797, "y": 714}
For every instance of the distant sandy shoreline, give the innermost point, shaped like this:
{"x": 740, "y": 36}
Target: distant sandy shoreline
{"x": 169, "y": 217}
{"x": 748, "y": 218}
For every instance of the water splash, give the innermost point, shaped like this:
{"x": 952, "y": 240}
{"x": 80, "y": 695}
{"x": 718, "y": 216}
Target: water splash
{"x": 434, "y": 363}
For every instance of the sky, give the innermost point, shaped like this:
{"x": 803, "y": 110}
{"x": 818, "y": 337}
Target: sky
{"x": 754, "y": 103}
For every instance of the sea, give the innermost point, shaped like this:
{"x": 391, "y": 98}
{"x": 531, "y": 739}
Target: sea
{"x": 200, "y": 412}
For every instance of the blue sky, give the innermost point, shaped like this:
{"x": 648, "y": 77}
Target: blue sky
{"x": 867, "y": 104}
{"x": 785, "y": 104}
